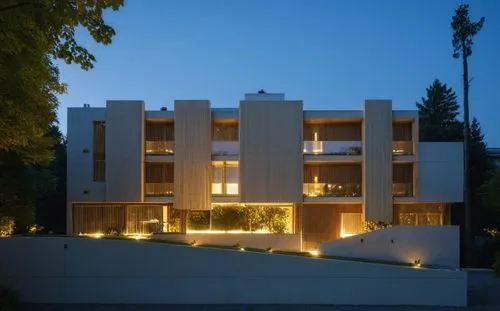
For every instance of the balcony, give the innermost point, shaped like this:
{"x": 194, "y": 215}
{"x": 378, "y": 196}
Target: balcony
{"x": 332, "y": 147}
{"x": 402, "y": 148}
{"x": 402, "y": 189}
{"x": 159, "y": 189}
{"x": 225, "y": 148}
{"x": 332, "y": 190}
{"x": 160, "y": 147}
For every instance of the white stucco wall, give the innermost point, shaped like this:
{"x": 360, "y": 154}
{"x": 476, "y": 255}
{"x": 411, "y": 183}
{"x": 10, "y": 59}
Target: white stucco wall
{"x": 80, "y": 171}
{"x": 441, "y": 171}
{"x": 433, "y": 245}
{"x": 78, "y": 270}
{"x": 284, "y": 242}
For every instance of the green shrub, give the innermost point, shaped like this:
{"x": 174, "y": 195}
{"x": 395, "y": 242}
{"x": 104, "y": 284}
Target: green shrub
{"x": 496, "y": 264}
{"x": 9, "y": 299}
{"x": 7, "y": 225}
{"x": 34, "y": 228}
{"x": 369, "y": 226}
{"x": 114, "y": 232}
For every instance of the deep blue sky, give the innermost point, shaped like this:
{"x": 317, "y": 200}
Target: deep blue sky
{"x": 332, "y": 54}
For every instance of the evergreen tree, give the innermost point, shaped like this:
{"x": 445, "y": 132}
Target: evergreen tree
{"x": 438, "y": 113}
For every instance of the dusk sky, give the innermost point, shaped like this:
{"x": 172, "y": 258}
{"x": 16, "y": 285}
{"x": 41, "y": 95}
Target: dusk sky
{"x": 331, "y": 54}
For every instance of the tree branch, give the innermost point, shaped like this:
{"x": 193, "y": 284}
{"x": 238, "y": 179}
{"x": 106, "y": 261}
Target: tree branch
{"x": 15, "y": 6}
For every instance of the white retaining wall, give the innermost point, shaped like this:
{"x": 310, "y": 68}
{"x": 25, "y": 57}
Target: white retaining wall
{"x": 284, "y": 242}
{"x": 433, "y": 245}
{"x": 80, "y": 270}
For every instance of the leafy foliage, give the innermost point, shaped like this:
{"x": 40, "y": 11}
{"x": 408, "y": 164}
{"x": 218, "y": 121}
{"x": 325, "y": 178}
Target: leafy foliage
{"x": 438, "y": 113}
{"x": 7, "y": 225}
{"x": 496, "y": 264}
{"x": 463, "y": 31}
{"x": 491, "y": 192}
{"x": 33, "y": 34}
{"x": 369, "y": 226}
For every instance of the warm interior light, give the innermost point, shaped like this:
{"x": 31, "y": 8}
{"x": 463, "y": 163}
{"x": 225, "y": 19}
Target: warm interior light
{"x": 261, "y": 231}
{"x": 242, "y": 249}
{"x": 315, "y": 179}
{"x": 315, "y": 136}
{"x": 314, "y": 253}
{"x": 97, "y": 235}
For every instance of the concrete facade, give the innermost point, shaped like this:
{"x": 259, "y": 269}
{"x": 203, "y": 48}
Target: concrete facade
{"x": 77, "y": 270}
{"x": 432, "y": 245}
{"x": 262, "y": 162}
{"x": 125, "y": 149}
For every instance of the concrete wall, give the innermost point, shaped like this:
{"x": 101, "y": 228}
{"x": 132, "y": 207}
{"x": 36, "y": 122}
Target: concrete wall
{"x": 377, "y": 160}
{"x": 193, "y": 155}
{"x": 80, "y": 170}
{"x": 441, "y": 171}
{"x": 77, "y": 270}
{"x": 271, "y": 159}
{"x": 284, "y": 242}
{"x": 124, "y": 151}
{"x": 433, "y": 245}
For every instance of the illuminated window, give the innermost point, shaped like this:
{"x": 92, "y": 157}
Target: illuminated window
{"x": 225, "y": 178}
{"x": 421, "y": 219}
{"x": 99, "y": 155}
{"x": 351, "y": 224}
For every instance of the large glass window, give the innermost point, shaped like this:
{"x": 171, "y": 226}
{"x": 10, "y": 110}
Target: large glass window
{"x": 402, "y": 138}
{"x": 159, "y": 179}
{"x": 337, "y": 138}
{"x": 402, "y": 179}
{"x": 159, "y": 137}
{"x": 241, "y": 218}
{"x": 225, "y": 131}
{"x": 332, "y": 180}
{"x": 225, "y": 178}
{"x": 422, "y": 214}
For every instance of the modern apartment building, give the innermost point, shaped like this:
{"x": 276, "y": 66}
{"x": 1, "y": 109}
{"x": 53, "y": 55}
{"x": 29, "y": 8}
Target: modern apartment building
{"x": 268, "y": 167}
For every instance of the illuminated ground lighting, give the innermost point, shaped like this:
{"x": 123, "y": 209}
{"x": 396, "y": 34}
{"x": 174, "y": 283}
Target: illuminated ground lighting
{"x": 95, "y": 235}
{"x": 417, "y": 263}
{"x": 242, "y": 249}
{"x": 139, "y": 236}
{"x": 314, "y": 253}
{"x": 263, "y": 231}
{"x": 269, "y": 250}
{"x": 194, "y": 243}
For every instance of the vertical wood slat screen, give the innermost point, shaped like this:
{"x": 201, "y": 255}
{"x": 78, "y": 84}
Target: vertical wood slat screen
{"x": 333, "y": 131}
{"x": 193, "y": 155}
{"x": 322, "y": 222}
{"x": 402, "y": 173}
{"x": 159, "y": 172}
{"x": 442, "y": 209}
{"x": 159, "y": 131}
{"x": 402, "y": 131}
{"x": 333, "y": 173}
{"x": 131, "y": 219}
{"x": 271, "y": 159}
{"x": 377, "y": 160}
{"x": 222, "y": 131}
{"x": 98, "y": 151}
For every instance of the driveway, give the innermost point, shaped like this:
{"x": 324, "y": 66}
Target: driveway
{"x": 484, "y": 295}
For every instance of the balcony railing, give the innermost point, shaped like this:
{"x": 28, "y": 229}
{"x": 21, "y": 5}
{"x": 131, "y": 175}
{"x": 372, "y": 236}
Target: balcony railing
{"x": 332, "y": 147}
{"x": 160, "y": 147}
{"x": 402, "y": 189}
{"x": 402, "y": 147}
{"x": 159, "y": 189}
{"x": 332, "y": 190}
{"x": 225, "y": 148}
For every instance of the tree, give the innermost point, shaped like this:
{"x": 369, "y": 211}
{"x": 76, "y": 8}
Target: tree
{"x": 438, "y": 113}
{"x": 34, "y": 33}
{"x": 490, "y": 192}
{"x": 464, "y": 31}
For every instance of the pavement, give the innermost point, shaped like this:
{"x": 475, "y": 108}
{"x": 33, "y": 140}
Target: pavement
{"x": 484, "y": 295}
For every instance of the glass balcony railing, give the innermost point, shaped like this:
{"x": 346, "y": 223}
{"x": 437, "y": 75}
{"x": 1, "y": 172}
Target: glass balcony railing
{"x": 222, "y": 148}
{"x": 159, "y": 189}
{"x": 332, "y": 190}
{"x": 332, "y": 147}
{"x": 402, "y": 147}
{"x": 160, "y": 147}
{"x": 404, "y": 189}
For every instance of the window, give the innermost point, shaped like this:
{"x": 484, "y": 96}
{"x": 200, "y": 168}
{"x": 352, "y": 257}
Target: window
{"x": 99, "y": 154}
{"x": 159, "y": 179}
{"x": 402, "y": 180}
{"x": 351, "y": 224}
{"x": 225, "y": 178}
{"x": 332, "y": 180}
{"x": 159, "y": 137}
{"x": 339, "y": 131}
{"x": 402, "y": 138}
{"x": 225, "y": 131}
{"x": 422, "y": 214}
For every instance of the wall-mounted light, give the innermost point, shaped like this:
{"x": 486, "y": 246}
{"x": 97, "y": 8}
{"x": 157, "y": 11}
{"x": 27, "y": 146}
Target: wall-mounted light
{"x": 315, "y": 179}
{"x": 315, "y": 136}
